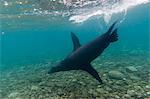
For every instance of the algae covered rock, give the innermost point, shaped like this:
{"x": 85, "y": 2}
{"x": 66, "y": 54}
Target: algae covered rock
{"x": 134, "y": 77}
{"x": 114, "y": 74}
{"x": 131, "y": 69}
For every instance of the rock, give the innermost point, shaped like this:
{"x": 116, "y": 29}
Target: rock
{"x": 134, "y": 77}
{"x": 108, "y": 89}
{"x": 34, "y": 88}
{"x": 126, "y": 96}
{"x": 74, "y": 80}
{"x": 82, "y": 83}
{"x": 18, "y": 98}
{"x": 32, "y": 97}
{"x": 100, "y": 90}
{"x": 13, "y": 95}
{"x": 147, "y": 87}
{"x": 131, "y": 69}
{"x": 131, "y": 92}
{"x": 40, "y": 96}
{"x": 99, "y": 86}
{"x": 92, "y": 92}
{"x": 42, "y": 83}
{"x": 148, "y": 94}
{"x": 138, "y": 88}
{"x": 117, "y": 97}
{"x": 115, "y": 75}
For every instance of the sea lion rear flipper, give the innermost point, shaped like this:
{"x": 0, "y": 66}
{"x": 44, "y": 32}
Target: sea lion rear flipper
{"x": 114, "y": 36}
{"x": 111, "y": 27}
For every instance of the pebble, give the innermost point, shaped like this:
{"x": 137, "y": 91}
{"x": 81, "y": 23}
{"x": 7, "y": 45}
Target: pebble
{"x": 18, "y": 98}
{"x": 147, "y": 87}
{"x": 74, "y": 80}
{"x": 148, "y": 94}
{"x": 34, "y": 88}
{"x": 99, "y": 86}
{"x": 115, "y": 75}
{"x": 100, "y": 90}
{"x": 91, "y": 91}
{"x": 82, "y": 83}
{"x": 131, "y": 69}
{"x": 126, "y": 96}
{"x": 138, "y": 87}
{"x": 130, "y": 92}
{"x": 42, "y": 83}
{"x": 13, "y": 95}
{"x": 117, "y": 97}
{"x": 108, "y": 89}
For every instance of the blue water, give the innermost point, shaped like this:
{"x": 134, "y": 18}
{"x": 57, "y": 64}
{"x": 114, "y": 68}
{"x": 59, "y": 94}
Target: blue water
{"x": 34, "y": 38}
